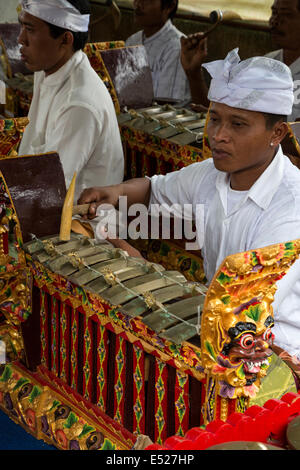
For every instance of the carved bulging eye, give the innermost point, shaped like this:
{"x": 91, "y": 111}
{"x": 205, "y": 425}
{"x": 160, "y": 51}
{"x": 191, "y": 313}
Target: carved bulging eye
{"x": 268, "y": 335}
{"x": 246, "y": 341}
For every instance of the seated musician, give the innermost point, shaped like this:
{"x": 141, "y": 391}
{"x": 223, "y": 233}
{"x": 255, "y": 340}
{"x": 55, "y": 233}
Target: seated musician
{"x": 71, "y": 112}
{"x": 285, "y": 25}
{"x": 250, "y": 191}
{"x": 161, "y": 40}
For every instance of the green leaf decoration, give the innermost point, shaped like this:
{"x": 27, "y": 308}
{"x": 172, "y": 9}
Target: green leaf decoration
{"x": 107, "y": 445}
{"x": 289, "y": 246}
{"x": 175, "y": 349}
{"x": 253, "y": 312}
{"x": 72, "y": 419}
{"x": 113, "y": 314}
{"x": 81, "y": 291}
{"x": 226, "y": 299}
{"x": 6, "y": 374}
{"x": 210, "y": 350}
{"x": 36, "y": 391}
{"x": 20, "y": 383}
{"x": 289, "y": 253}
{"x": 224, "y": 279}
{"x": 254, "y": 258}
{"x": 54, "y": 404}
{"x": 86, "y": 429}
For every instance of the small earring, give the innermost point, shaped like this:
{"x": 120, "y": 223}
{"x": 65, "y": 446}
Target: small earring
{"x": 271, "y": 144}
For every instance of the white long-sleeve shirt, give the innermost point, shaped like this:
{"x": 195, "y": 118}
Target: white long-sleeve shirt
{"x": 73, "y": 114}
{"x": 163, "y": 51}
{"x": 268, "y": 213}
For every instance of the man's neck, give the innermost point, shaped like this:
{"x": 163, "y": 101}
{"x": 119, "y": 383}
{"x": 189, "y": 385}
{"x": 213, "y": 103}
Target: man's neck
{"x": 244, "y": 180}
{"x": 151, "y": 30}
{"x": 59, "y": 64}
{"x": 290, "y": 55}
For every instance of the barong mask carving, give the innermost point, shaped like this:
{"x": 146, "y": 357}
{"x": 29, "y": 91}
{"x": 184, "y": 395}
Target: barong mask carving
{"x": 246, "y": 350}
{"x": 250, "y": 348}
{"x": 236, "y": 333}
{"x": 242, "y": 346}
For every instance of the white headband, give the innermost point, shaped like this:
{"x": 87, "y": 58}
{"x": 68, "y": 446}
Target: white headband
{"x": 256, "y": 84}
{"x": 59, "y": 13}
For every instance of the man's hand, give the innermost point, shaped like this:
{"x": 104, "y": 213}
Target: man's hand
{"x": 193, "y": 52}
{"x": 136, "y": 190}
{"x": 100, "y": 195}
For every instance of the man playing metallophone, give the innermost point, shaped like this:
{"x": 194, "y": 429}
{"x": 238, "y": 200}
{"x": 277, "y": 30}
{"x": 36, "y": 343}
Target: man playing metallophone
{"x": 249, "y": 190}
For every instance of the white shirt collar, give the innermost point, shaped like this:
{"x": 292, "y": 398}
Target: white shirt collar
{"x": 264, "y": 188}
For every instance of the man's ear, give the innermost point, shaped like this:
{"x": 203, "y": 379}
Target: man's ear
{"x": 68, "y": 38}
{"x": 279, "y": 132}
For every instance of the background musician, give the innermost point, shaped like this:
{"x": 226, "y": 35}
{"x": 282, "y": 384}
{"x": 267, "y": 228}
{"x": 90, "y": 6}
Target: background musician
{"x": 285, "y": 27}
{"x": 71, "y": 112}
{"x": 284, "y": 23}
{"x": 161, "y": 40}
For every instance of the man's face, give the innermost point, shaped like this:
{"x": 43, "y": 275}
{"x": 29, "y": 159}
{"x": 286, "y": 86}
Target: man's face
{"x": 285, "y": 24}
{"x": 238, "y": 139}
{"x": 149, "y": 13}
{"x": 39, "y": 50}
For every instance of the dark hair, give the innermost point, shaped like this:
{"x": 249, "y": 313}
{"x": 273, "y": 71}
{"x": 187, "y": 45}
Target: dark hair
{"x": 167, "y": 4}
{"x": 272, "y": 119}
{"x": 80, "y": 39}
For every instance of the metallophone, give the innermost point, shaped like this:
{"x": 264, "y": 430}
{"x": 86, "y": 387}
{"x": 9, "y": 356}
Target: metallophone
{"x": 104, "y": 349}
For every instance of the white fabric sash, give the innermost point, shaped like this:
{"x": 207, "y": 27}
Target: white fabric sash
{"x": 59, "y": 13}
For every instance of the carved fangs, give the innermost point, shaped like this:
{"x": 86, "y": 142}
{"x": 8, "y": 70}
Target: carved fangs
{"x": 253, "y": 367}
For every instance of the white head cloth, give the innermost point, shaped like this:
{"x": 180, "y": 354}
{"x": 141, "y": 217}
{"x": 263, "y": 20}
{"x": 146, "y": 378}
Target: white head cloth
{"x": 256, "y": 84}
{"x": 57, "y": 12}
